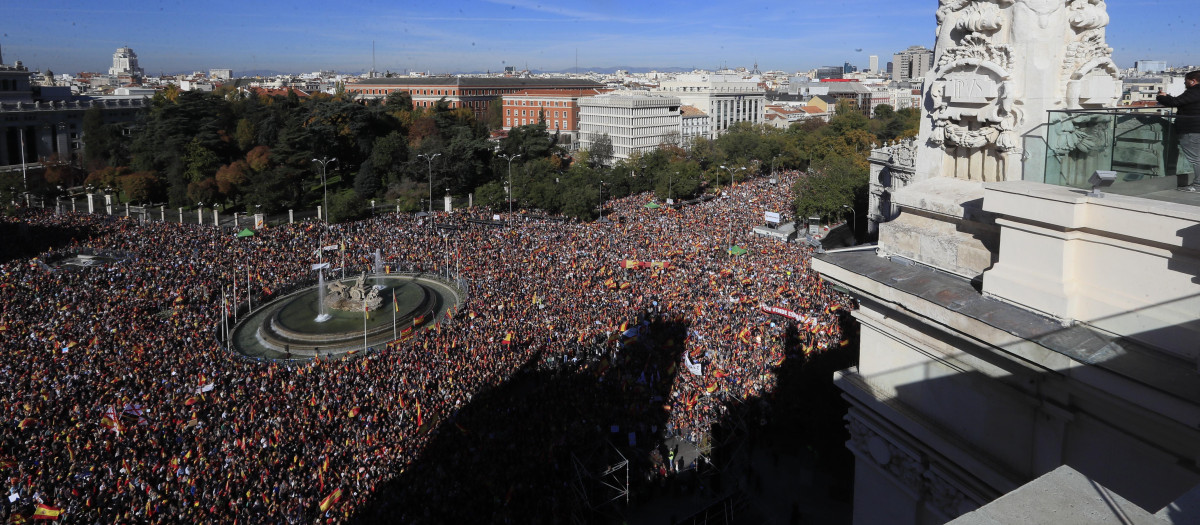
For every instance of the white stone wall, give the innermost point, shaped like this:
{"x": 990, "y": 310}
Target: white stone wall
{"x": 633, "y": 122}
{"x": 726, "y": 99}
{"x": 997, "y": 71}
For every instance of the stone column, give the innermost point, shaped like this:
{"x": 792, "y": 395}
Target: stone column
{"x": 216, "y": 218}
{"x": 108, "y": 204}
{"x": 4, "y": 147}
{"x": 162, "y": 211}
{"x": 45, "y": 141}
{"x": 291, "y": 218}
{"x": 64, "y": 145}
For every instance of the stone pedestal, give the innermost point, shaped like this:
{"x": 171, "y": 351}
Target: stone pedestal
{"x": 942, "y": 224}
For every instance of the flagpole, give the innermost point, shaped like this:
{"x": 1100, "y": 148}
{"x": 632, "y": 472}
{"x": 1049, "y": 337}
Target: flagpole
{"x": 395, "y": 307}
{"x": 364, "y": 325}
{"x": 235, "y": 298}
{"x": 224, "y": 316}
{"x": 248, "y": 304}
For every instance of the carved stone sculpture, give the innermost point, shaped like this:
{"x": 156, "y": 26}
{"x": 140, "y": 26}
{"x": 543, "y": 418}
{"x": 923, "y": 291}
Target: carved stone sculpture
{"x": 353, "y": 298}
{"x": 999, "y": 66}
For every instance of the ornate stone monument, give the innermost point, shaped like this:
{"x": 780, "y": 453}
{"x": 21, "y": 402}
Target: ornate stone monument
{"x": 999, "y": 67}
{"x": 353, "y": 298}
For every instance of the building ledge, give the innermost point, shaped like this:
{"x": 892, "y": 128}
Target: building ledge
{"x": 1080, "y": 343}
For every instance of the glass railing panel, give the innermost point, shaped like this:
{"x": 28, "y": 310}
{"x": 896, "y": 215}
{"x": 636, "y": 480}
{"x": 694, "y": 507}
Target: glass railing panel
{"x": 1137, "y": 143}
{"x": 1078, "y": 145}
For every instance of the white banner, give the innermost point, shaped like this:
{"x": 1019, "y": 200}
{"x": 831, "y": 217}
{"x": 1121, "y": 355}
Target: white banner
{"x": 694, "y": 368}
{"x": 772, "y": 217}
{"x": 321, "y": 266}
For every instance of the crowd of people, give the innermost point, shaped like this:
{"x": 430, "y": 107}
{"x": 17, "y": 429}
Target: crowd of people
{"x": 121, "y": 403}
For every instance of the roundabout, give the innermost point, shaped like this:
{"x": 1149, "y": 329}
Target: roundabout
{"x": 302, "y": 325}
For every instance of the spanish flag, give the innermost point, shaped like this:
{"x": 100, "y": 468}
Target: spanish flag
{"x": 331, "y": 499}
{"x": 508, "y": 338}
{"x": 354, "y": 411}
{"x": 744, "y": 335}
{"x": 395, "y": 304}
{"x": 46, "y": 512}
{"x": 27, "y": 422}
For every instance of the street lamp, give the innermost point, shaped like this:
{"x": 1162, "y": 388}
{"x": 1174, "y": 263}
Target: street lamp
{"x": 430, "y": 159}
{"x": 853, "y": 221}
{"x": 729, "y": 233}
{"x": 510, "y": 158}
{"x": 324, "y": 187}
{"x": 602, "y": 198}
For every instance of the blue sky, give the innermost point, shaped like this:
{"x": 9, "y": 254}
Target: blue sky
{"x": 474, "y": 35}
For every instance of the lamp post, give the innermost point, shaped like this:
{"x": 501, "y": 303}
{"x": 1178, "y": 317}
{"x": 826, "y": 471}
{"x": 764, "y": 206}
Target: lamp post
{"x": 853, "y": 222}
{"x": 325, "y": 187}
{"x": 602, "y": 198}
{"x": 430, "y": 158}
{"x": 729, "y": 233}
{"x": 510, "y": 158}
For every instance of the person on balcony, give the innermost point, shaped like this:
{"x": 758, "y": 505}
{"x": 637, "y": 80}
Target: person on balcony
{"x": 1187, "y": 124}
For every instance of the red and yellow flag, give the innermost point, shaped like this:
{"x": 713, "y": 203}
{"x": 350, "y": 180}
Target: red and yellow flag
{"x": 46, "y": 512}
{"x": 331, "y": 499}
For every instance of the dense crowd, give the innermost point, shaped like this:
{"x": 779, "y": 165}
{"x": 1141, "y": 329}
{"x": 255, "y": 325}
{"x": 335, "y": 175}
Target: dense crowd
{"x": 120, "y": 404}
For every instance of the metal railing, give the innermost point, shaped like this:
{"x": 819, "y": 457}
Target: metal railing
{"x": 1137, "y": 143}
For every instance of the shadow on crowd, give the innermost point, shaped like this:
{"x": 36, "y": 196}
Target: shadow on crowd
{"x": 536, "y": 448}
{"x": 23, "y": 240}
{"x": 751, "y": 479}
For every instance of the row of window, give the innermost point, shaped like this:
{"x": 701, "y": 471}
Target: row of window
{"x": 554, "y": 124}
{"x": 512, "y": 112}
{"x": 542, "y": 103}
{"x": 435, "y": 92}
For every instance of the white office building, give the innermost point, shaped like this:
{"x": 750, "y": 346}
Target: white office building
{"x": 726, "y": 99}
{"x": 125, "y": 62}
{"x": 912, "y": 63}
{"x": 633, "y": 121}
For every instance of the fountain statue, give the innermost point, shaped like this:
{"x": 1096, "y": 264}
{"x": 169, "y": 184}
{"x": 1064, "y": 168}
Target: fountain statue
{"x": 353, "y": 298}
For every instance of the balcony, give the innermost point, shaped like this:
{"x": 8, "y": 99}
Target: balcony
{"x": 1137, "y": 143}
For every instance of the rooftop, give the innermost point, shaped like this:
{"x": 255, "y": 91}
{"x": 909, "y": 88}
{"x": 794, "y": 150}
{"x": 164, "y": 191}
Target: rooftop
{"x": 1077, "y": 342}
{"x": 480, "y": 82}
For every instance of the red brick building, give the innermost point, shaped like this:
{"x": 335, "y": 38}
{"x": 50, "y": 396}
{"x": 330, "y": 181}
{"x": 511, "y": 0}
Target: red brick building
{"x": 476, "y": 93}
{"x": 558, "y": 107}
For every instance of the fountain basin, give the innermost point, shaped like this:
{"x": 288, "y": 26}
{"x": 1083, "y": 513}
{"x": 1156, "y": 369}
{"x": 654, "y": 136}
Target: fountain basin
{"x": 289, "y": 328}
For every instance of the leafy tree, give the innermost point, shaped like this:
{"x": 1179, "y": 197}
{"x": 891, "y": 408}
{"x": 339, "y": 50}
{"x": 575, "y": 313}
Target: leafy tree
{"x": 245, "y": 135}
{"x": 105, "y": 145}
{"x": 399, "y": 101}
{"x": 140, "y": 187}
{"x": 601, "y": 151}
{"x": 231, "y": 177}
{"x": 884, "y": 112}
{"x": 347, "y": 206}
{"x": 366, "y": 181}
{"x": 835, "y": 181}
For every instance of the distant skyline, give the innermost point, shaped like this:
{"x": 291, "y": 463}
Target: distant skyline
{"x": 173, "y": 36}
